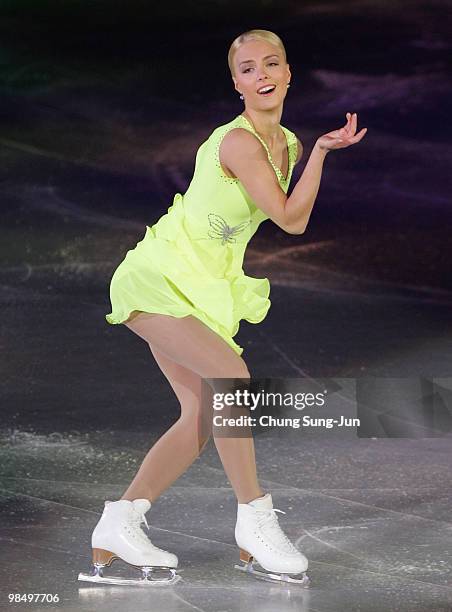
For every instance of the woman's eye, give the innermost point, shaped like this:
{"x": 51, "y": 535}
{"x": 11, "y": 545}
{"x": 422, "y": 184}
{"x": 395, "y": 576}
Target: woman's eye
{"x": 270, "y": 64}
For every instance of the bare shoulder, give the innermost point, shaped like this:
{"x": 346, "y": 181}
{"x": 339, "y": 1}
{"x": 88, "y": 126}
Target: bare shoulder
{"x": 240, "y": 144}
{"x": 241, "y": 139}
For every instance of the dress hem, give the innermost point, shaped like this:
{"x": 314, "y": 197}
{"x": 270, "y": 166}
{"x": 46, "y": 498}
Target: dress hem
{"x": 230, "y": 342}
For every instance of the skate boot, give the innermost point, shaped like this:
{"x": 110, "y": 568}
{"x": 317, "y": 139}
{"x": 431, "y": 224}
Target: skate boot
{"x": 118, "y": 535}
{"x": 260, "y": 538}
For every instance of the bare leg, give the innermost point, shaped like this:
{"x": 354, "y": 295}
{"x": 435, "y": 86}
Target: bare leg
{"x": 187, "y": 351}
{"x": 162, "y": 465}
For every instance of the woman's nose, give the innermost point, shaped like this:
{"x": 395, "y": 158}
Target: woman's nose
{"x": 261, "y": 73}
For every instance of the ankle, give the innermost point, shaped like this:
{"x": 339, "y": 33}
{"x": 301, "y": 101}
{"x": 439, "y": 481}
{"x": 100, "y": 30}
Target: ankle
{"x": 247, "y": 500}
{"x": 133, "y": 498}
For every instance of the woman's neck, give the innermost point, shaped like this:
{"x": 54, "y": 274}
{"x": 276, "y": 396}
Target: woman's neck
{"x": 266, "y": 125}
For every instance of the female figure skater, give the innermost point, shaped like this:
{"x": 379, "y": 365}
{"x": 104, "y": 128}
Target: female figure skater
{"x": 183, "y": 291}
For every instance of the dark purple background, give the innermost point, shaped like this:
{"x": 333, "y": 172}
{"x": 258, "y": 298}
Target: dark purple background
{"x": 103, "y": 106}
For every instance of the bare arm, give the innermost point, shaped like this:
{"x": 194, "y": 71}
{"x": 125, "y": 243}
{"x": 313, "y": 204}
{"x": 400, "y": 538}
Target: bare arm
{"x": 241, "y": 152}
{"x": 244, "y": 155}
{"x": 300, "y": 203}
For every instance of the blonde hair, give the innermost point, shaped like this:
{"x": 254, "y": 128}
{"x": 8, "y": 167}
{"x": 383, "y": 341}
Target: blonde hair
{"x": 264, "y": 35}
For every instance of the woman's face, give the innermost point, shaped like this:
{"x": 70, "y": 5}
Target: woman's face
{"x": 258, "y": 63}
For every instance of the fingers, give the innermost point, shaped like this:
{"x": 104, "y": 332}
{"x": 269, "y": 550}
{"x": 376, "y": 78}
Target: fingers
{"x": 358, "y": 136}
{"x": 346, "y": 130}
{"x": 352, "y": 121}
{"x": 361, "y": 133}
{"x": 348, "y": 124}
{"x": 347, "y": 135}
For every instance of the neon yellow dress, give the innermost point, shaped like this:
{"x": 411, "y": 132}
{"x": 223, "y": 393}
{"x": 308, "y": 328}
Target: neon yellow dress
{"x": 190, "y": 261}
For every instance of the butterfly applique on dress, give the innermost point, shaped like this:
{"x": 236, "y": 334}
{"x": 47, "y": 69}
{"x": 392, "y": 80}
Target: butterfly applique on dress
{"x": 221, "y": 230}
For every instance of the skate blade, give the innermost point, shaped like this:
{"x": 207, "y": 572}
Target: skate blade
{"x": 271, "y": 577}
{"x": 145, "y": 582}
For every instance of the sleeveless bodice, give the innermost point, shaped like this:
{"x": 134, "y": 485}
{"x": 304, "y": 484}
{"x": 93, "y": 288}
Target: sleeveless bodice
{"x": 216, "y": 214}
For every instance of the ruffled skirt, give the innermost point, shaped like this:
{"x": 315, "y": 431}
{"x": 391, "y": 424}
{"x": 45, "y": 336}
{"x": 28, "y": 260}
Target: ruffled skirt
{"x": 157, "y": 277}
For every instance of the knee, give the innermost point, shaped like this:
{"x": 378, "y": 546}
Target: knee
{"x": 229, "y": 382}
{"x": 236, "y": 371}
{"x": 228, "y": 368}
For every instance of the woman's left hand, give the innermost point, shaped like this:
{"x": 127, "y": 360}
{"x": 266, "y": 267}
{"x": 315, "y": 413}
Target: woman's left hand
{"x": 343, "y": 137}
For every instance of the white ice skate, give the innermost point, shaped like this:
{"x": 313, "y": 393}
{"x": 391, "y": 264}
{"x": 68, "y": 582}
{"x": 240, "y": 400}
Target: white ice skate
{"x": 118, "y": 535}
{"x": 260, "y": 537}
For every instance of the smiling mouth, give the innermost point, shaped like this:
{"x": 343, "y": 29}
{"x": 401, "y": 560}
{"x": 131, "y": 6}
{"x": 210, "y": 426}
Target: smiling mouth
{"x": 267, "y": 93}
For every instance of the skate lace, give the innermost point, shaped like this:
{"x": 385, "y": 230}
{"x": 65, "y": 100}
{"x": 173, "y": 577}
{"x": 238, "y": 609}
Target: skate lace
{"x": 268, "y": 522}
{"x": 135, "y": 521}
